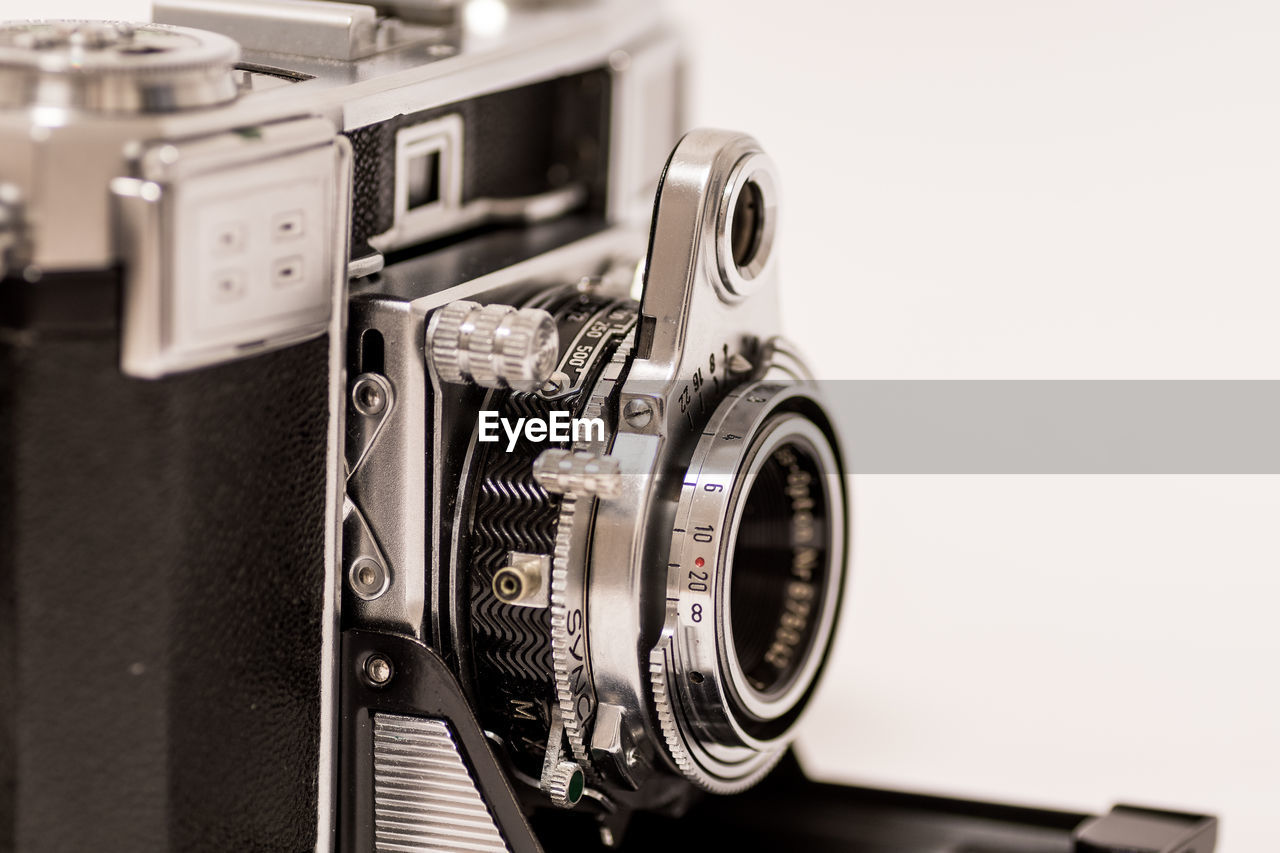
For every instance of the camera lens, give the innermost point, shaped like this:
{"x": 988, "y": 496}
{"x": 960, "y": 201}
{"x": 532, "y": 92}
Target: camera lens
{"x": 754, "y": 576}
{"x": 777, "y": 569}
{"x": 752, "y": 538}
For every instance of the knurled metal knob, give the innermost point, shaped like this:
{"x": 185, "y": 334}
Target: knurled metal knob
{"x": 114, "y": 67}
{"x": 494, "y": 346}
{"x": 566, "y": 784}
{"x": 578, "y": 472}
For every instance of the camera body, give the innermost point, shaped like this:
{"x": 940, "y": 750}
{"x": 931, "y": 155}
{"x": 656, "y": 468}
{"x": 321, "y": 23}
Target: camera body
{"x": 400, "y": 450}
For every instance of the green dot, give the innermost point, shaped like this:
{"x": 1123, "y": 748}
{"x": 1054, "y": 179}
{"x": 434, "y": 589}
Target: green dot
{"x": 576, "y": 784}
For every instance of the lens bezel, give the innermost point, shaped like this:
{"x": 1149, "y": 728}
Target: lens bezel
{"x": 768, "y": 707}
{"x": 720, "y": 732}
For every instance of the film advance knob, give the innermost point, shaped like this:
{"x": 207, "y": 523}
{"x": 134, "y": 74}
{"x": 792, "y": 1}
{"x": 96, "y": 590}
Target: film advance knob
{"x": 494, "y": 346}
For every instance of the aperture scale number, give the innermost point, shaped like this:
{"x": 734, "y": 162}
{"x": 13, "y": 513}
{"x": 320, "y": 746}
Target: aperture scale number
{"x": 701, "y": 552}
{"x": 693, "y": 390}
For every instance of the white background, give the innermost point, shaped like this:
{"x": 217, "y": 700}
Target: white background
{"x": 1018, "y": 189}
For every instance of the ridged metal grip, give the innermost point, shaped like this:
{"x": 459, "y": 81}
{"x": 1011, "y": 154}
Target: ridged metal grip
{"x": 494, "y": 346}
{"x": 424, "y": 796}
{"x": 578, "y": 473}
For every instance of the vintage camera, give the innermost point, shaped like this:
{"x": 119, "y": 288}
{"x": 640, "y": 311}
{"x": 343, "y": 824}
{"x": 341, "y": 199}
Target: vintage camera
{"x": 400, "y": 451}
{"x": 385, "y": 466}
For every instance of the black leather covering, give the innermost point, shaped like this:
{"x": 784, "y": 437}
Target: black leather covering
{"x": 517, "y": 142}
{"x": 161, "y": 590}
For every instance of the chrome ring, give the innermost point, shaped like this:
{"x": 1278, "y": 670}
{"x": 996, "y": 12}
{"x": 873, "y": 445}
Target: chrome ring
{"x": 723, "y": 731}
{"x": 771, "y": 704}
{"x": 754, "y": 173}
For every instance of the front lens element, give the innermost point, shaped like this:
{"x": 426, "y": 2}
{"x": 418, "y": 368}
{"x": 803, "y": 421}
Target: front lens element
{"x": 753, "y": 585}
{"x": 779, "y": 565}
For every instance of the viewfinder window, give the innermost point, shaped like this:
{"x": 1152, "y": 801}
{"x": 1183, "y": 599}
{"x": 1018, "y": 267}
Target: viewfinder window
{"x": 424, "y": 179}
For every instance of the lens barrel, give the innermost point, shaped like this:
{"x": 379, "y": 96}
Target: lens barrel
{"x": 753, "y": 585}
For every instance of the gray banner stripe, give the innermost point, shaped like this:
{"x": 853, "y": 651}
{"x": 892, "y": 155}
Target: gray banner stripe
{"x": 1058, "y": 427}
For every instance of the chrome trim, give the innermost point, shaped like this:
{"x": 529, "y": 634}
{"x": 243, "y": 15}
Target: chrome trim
{"x": 327, "y": 765}
{"x": 67, "y": 204}
{"x": 647, "y": 117}
{"x": 688, "y": 320}
{"x": 162, "y": 221}
{"x": 424, "y": 797}
{"x": 443, "y": 137}
{"x": 699, "y": 686}
{"x": 316, "y": 28}
{"x": 387, "y": 473}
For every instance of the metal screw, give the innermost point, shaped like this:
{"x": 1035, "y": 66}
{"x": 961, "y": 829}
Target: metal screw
{"x": 555, "y": 384}
{"x": 368, "y": 578}
{"x": 368, "y": 396}
{"x": 638, "y": 413}
{"x": 619, "y": 60}
{"x": 378, "y": 670}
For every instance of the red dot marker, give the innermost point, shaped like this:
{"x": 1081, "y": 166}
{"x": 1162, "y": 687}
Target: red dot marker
{"x": 699, "y": 562}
